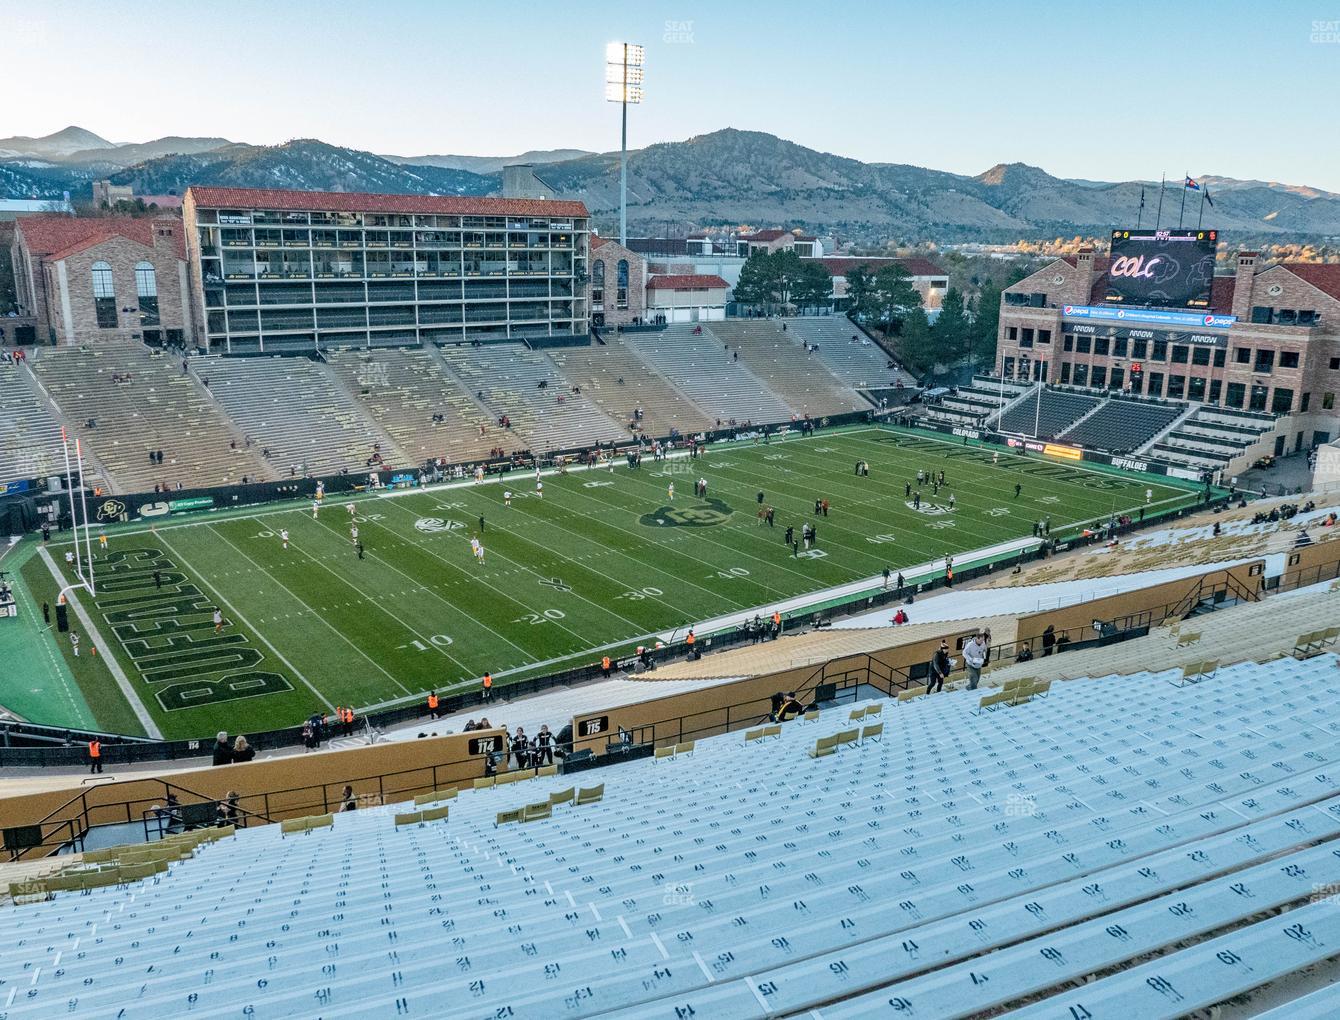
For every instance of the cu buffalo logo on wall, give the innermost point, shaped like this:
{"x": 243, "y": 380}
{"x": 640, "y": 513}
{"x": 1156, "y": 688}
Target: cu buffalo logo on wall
{"x": 110, "y": 509}
{"x": 704, "y": 515}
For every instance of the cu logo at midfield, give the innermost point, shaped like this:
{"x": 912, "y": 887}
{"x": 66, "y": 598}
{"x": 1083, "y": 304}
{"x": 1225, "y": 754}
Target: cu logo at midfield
{"x": 435, "y": 525}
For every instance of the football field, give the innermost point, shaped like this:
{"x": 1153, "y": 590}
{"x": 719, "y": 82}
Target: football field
{"x": 599, "y": 561}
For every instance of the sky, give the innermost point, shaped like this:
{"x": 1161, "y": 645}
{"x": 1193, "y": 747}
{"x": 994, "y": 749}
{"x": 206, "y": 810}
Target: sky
{"x": 1105, "y": 91}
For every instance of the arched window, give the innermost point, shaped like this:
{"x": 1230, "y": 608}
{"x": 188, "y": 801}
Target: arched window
{"x": 598, "y": 282}
{"x": 621, "y": 285}
{"x": 146, "y": 289}
{"x": 104, "y": 295}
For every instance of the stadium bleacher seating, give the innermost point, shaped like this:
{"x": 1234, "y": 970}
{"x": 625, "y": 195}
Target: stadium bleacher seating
{"x": 553, "y": 418}
{"x": 778, "y": 358}
{"x": 1122, "y": 426}
{"x": 956, "y": 860}
{"x": 618, "y": 382}
{"x": 402, "y": 389}
{"x": 1059, "y": 410}
{"x": 158, "y": 408}
{"x": 1214, "y": 438}
{"x": 861, "y": 364}
{"x": 701, "y": 367}
{"x": 295, "y": 409}
{"x": 29, "y": 432}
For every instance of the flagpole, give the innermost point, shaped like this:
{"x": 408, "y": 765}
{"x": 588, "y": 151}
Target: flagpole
{"x": 1163, "y": 186}
{"x": 1185, "y": 178}
{"x": 1140, "y": 215}
{"x": 1201, "y": 215}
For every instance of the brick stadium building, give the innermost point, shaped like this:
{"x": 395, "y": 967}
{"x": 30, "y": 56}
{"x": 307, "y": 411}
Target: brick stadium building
{"x": 285, "y": 270}
{"x": 82, "y": 279}
{"x": 1269, "y": 340}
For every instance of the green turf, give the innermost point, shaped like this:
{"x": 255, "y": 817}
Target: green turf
{"x": 602, "y": 560}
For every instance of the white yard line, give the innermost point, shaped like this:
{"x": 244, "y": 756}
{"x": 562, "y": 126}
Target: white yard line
{"x": 108, "y": 659}
{"x": 200, "y": 579}
{"x": 315, "y": 615}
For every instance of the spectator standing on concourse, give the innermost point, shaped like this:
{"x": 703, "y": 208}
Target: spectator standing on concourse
{"x": 223, "y": 751}
{"x": 974, "y": 658}
{"x": 940, "y": 667}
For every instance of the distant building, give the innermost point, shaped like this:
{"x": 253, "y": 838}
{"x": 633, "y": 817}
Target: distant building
{"x": 86, "y": 279}
{"x": 929, "y": 279}
{"x": 1268, "y": 340}
{"x": 687, "y": 298}
{"x": 769, "y": 241}
{"x": 521, "y": 181}
{"x": 105, "y": 193}
{"x": 13, "y": 208}
{"x": 618, "y": 285}
{"x": 291, "y": 269}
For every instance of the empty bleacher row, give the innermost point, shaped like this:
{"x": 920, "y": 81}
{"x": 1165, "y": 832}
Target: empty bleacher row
{"x": 506, "y": 378}
{"x": 296, "y": 415}
{"x": 1213, "y": 438}
{"x": 942, "y": 860}
{"x": 847, "y": 352}
{"x": 620, "y": 383}
{"x": 701, "y": 367}
{"x": 1047, "y": 412}
{"x": 140, "y": 402}
{"x": 403, "y": 389}
{"x": 1122, "y": 426}
{"x": 30, "y": 444}
{"x": 779, "y": 359}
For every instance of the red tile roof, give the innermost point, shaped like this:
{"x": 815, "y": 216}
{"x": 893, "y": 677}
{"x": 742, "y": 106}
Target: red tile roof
{"x": 914, "y": 265}
{"x": 58, "y": 237}
{"x": 332, "y": 201}
{"x": 686, "y": 282}
{"x": 763, "y": 235}
{"x": 1324, "y": 276}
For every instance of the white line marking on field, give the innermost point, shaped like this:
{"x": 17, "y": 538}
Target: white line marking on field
{"x": 113, "y": 667}
{"x": 200, "y": 578}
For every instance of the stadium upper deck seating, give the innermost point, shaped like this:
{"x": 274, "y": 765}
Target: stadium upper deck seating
{"x": 1122, "y": 426}
{"x": 402, "y": 389}
{"x": 552, "y": 418}
{"x": 701, "y": 367}
{"x": 958, "y": 859}
{"x": 294, "y": 408}
{"x": 861, "y": 364}
{"x": 29, "y": 432}
{"x": 778, "y": 358}
{"x": 159, "y": 408}
{"x": 618, "y": 381}
{"x": 1060, "y": 409}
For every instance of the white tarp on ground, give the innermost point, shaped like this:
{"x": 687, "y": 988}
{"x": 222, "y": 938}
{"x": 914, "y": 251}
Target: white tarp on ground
{"x": 983, "y": 602}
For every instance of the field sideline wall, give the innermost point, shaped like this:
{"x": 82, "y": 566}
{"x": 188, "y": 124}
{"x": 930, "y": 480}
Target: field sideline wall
{"x": 1132, "y": 603}
{"x": 315, "y": 782}
{"x": 741, "y": 704}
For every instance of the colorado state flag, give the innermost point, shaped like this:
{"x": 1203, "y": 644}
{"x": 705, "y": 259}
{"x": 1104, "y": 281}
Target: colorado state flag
{"x": 1191, "y": 184}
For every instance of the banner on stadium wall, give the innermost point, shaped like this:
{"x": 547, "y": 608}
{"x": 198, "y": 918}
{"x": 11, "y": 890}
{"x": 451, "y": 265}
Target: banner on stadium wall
{"x": 1188, "y": 320}
{"x": 178, "y": 506}
{"x": 1136, "y": 464}
{"x": 1064, "y": 452}
{"x": 12, "y": 488}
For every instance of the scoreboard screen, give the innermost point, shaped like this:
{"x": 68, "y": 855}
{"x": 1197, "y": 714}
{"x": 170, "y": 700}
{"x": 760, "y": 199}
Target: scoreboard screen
{"x": 1162, "y": 268}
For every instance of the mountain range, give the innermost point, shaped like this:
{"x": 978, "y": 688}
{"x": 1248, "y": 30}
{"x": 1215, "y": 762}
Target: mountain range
{"x": 725, "y": 178}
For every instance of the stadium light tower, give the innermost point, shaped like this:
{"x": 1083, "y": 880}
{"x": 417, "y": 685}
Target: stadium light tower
{"x": 623, "y": 85}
